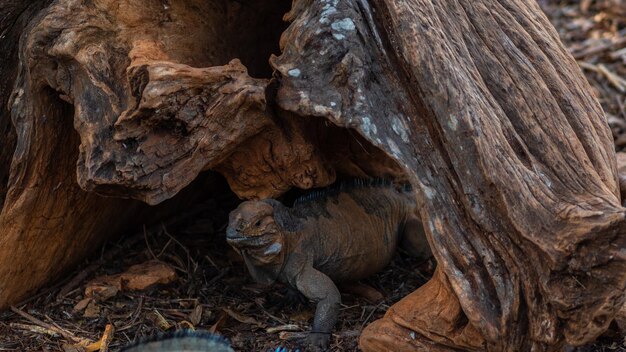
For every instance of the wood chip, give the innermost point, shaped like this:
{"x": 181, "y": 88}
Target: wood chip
{"x": 92, "y": 310}
{"x": 242, "y": 318}
{"x": 107, "y": 337}
{"x": 195, "y": 317}
{"x": 287, "y": 327}
{"x": 137, "y": 277}
{"x": 160, "y": 321}
{"x": 101, "y": 291}
{"x": 81, "y": 305}
{"x": 101, "y": 345}
{"x": 35, "y": 328}
{"x": 289, "y": 335}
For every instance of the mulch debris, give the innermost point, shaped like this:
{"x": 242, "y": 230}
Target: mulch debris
{"x": 212, "y": 292}
{"x": 210, "y": 288}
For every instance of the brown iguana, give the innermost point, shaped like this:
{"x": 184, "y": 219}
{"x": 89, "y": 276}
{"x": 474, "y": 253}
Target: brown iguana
{"x": 342, "y": 234}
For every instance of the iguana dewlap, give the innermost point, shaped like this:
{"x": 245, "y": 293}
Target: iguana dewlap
{"x": 333, "y": 236}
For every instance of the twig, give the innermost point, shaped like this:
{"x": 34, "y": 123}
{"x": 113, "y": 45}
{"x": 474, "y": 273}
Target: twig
{"x": 286, "y": 327}
{"x": 107, "y": 337}
{"x": 40, "y": 294}
{"x": 145, "y": 237}
{"x": 597, "y": 49}
{"x": 115, "y": 252}
{"x": 617, "y": 81}
{"x": 135, "y": 316}
{"x": 189, "y": 259}
{"x": 66, "y": 334}
{"x": 165, "y": 247}
{"x": 211, "y": 261}
{"x": 34, "y": 328}
{"x": 274, "y": 317}
{"x": 111, "y": 253}
{"x": 618, "y": 53}
{"x": 370, "y": 315}
{"x": 587, "y": 66}
{"x": 76, "y": 280}
{"x": 620, "y": 104}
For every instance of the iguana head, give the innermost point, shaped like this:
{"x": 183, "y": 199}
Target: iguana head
{"x": 253, "y": 232}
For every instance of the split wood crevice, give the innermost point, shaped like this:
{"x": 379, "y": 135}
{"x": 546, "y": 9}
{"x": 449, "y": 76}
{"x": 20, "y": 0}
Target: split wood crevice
{"x": 476, "y": 103}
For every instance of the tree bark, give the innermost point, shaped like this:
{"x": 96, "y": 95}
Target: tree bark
{"x": 476, "y": 103}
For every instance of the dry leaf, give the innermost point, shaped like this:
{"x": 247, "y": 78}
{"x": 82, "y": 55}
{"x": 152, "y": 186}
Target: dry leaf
{"x": 302, "y": 316}
{"x": 220, "y": 321}
{"x": 195, "y": 317}
{"x": 100, "y": 291}
{"x": 242, "y": 318}
{"x": 92, "y": 310}
{"x": 160, "y": 321}
{"x": 137, "y": 277}
{"x": 80, "y": 306}
{"x": 144, "y": 275}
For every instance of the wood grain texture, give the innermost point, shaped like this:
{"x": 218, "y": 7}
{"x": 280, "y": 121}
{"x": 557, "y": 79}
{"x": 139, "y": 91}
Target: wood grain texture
{"x": 511, "y": 154}
{"x": 14, "y": 17}
{"x": 474, "y": 102}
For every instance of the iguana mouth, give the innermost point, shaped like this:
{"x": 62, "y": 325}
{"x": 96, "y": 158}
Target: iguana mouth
{"x": 235, "y": 239}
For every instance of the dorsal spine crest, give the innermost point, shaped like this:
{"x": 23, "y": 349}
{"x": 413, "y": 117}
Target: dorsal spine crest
{"x": 346, "y": 186}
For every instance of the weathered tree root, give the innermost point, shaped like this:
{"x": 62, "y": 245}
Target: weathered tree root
{"x": 429, "y": 319}
{"x": 474, "y": 102}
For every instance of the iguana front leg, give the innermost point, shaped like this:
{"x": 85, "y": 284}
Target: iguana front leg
{"x": 320, "y": 289}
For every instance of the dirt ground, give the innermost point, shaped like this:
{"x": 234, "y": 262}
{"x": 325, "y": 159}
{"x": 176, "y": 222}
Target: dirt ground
{"x": 212, "y": 290}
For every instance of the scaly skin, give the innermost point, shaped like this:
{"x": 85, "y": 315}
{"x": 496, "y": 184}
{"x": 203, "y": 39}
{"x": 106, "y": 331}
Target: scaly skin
{"x": 181, "y": 341}
{"x": 338, "y": 236}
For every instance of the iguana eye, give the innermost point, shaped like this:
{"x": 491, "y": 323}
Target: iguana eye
{"x": 258, "y": 223}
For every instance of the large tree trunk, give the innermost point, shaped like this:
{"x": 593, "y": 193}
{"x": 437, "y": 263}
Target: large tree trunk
{"x": 473, "y": 101}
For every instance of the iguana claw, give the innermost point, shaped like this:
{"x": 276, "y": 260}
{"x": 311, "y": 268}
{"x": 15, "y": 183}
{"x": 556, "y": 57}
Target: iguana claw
{"x": 318, "y": 341}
